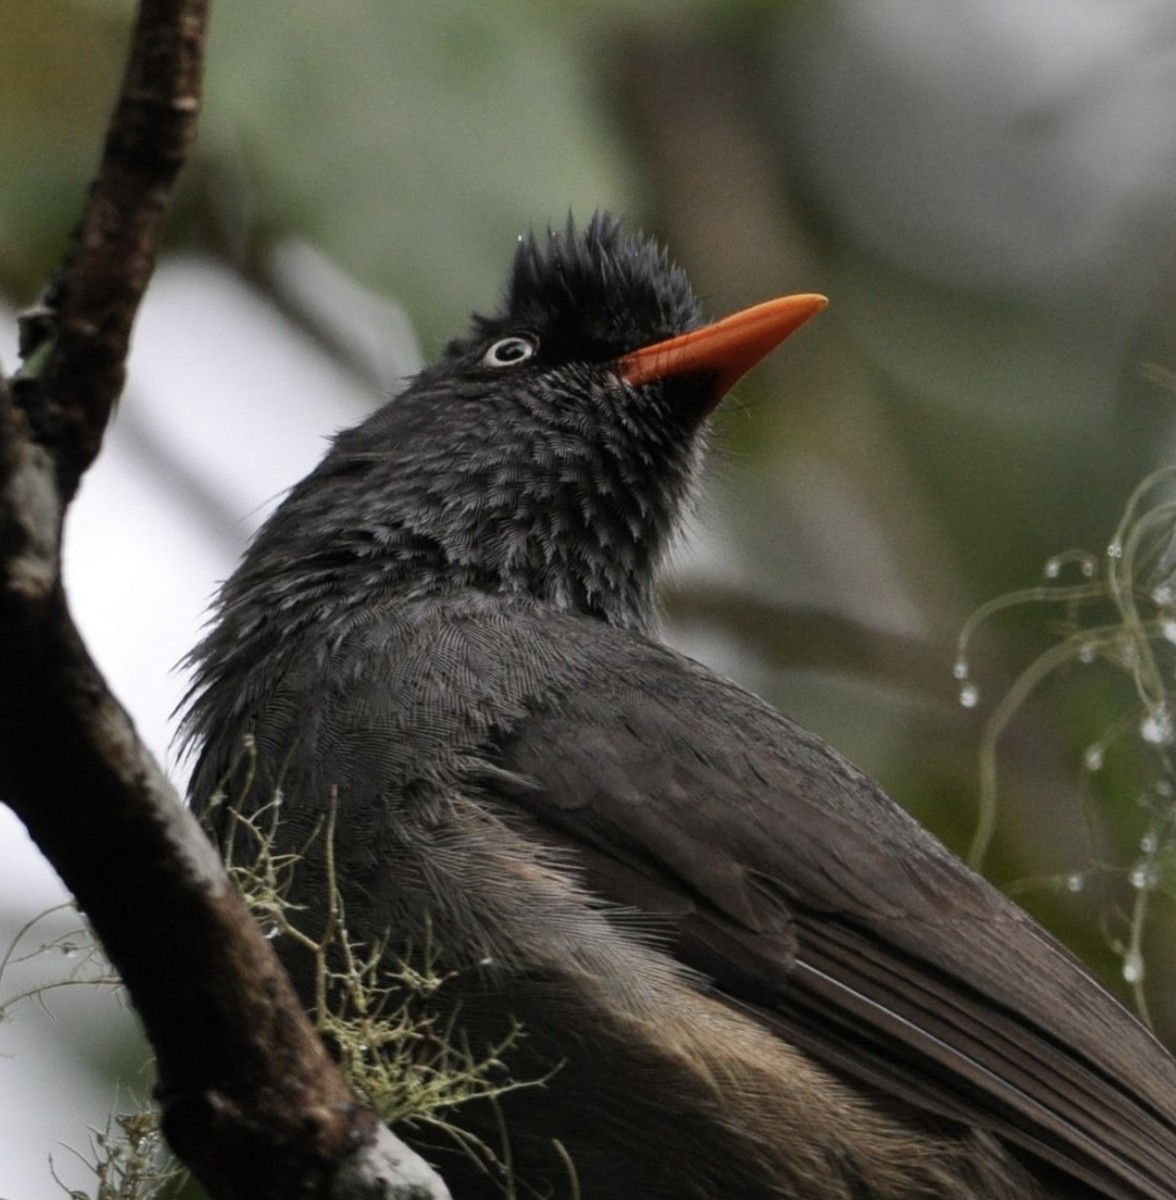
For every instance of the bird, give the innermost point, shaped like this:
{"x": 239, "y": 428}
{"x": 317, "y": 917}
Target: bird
{"x": 738, "y": 967}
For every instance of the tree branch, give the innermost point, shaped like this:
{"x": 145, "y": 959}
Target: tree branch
{"x": 251, "y": 1100}
{"x": 76, "y": 345}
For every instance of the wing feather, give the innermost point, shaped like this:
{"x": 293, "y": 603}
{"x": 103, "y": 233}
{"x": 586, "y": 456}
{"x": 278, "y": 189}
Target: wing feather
{"x": 807, "y": 896}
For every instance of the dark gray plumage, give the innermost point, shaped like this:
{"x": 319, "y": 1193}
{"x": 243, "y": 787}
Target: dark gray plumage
{"x": 449, "y": 625}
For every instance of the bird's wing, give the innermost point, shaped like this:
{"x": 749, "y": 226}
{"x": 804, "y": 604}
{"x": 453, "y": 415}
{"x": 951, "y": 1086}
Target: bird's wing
{"x": 810, "y": 898}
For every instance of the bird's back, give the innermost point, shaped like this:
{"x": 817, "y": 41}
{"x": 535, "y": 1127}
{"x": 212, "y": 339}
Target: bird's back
{"x": 514, "y": 784}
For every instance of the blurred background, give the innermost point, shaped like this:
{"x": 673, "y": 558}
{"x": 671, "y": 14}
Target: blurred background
{"x": 984, "y": 188}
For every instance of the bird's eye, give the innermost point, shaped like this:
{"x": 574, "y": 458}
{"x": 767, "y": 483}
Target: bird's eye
{"x": 510, "y": 351}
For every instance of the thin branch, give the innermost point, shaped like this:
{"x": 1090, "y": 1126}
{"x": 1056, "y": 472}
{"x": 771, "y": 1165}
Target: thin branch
{"x": 789, "y": 637}
{"x": 75, "y": 346}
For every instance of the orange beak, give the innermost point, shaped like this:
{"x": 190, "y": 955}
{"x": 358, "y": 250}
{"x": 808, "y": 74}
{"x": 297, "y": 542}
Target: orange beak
{"x": 725, "y": 350}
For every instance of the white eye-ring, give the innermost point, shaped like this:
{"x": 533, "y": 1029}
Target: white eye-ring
{"x": 510, "y": 351}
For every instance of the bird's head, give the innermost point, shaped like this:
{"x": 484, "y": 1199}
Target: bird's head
{"x": 547, "y": 452}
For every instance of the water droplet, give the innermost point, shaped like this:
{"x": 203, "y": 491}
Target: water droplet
{"x": 1089, "y": 566}
{"x": 270, "y": 930}
{"x": 1142, "y": 876}
{"x": 1149, "y": 843}
{"x": 969, "y": 695}
{"x": 1088, "y": 652}
{"x": 1115, "y": 549}
{"x": 1092, "y": 758}
{"x": 1075, "y": 882}
{"x": 960, "y": 670}
{"x": 1133, "y": 966}
{"x": 70, "y": 949}
{"x": 1053, "y": 568}
{"x": 1156, "y": 728}
{"x": 1163, "y": 595}
{"x": 1168, "y": 629}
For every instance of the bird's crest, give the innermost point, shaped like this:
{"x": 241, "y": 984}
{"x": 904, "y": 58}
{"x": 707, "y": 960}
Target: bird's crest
{"x": 615, "y": 289}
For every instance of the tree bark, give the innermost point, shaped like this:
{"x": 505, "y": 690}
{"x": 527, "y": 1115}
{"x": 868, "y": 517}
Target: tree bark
{"x": 251, "y": 1101}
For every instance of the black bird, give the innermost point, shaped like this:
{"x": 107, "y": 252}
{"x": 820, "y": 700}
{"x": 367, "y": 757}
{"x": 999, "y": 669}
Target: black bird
{"x": 749, "y": 973}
